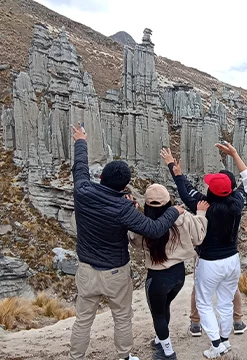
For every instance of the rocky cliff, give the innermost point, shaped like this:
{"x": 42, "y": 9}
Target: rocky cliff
{"x": 135, "y": 123}
{"x": 53, "y": 94}
{"x": 132, "y": 123}
{"x": 155, "y": 103}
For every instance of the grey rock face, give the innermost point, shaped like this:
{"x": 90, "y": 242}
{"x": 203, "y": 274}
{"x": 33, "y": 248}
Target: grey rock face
{"x": 130, "y": 123}
{"x": 8, "y": 123}
{"x": 38, "y": 58}
{"x": 218, "y": 110}
{"x": 198, "y": 137}
{"x": 53, "y": 95}
{"x": 181, "y": 100}
{"x": 133, "y": 118}
{"x": 240, "y": 136}
{"x": 13, "y": 277}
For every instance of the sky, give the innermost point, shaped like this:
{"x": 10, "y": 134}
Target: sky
{"x": 209, "y": 35}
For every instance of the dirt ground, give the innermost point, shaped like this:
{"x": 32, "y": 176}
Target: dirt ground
{"x": 52, "y": 342}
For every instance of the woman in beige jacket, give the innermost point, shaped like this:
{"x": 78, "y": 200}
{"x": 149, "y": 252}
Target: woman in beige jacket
{"x": 164, "y": 258}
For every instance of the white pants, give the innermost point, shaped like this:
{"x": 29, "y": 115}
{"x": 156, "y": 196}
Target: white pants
{"x": 218, "y": 277}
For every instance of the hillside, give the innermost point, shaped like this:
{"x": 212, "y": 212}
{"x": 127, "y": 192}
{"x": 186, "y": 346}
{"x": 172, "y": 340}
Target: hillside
{"x": 101, "y": 56}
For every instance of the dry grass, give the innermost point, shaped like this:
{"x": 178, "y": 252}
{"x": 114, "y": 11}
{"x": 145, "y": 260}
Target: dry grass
{"x": 243, "y": 283}
{"x": 19, "y": 311}
{"x": 53, "y": 307}
{"x": 13, "y": 310}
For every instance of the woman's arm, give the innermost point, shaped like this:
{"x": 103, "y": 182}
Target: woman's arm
{"x": 242, "y": 168}
{"x": 170, "y": 162}
{"x": 189, "y": 201}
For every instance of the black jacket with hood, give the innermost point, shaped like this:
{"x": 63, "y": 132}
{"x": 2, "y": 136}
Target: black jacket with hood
{"x": 211, "y": 247}
{"x": 103, "y": 217}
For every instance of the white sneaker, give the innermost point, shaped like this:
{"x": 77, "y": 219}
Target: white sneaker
{"x": 131, "y": 357}
{"x": 214, "y": 352}
{"x": 227, "y": 345}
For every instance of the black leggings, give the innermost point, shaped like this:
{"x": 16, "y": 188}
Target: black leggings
{"x": 162, "y": 286}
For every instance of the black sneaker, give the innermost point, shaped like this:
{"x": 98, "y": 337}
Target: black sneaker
{"x": 239, "y": 328}
{"x": 155, "y": 346}
{"x": 195, "y": 330}
{"x": 160, "y": 355}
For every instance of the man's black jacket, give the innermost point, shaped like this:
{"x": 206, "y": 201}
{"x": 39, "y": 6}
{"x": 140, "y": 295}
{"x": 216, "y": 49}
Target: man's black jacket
{"x": 103, "y": 217}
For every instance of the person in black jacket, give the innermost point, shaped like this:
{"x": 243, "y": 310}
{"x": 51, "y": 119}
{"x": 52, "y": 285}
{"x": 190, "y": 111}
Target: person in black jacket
{"x": 190, "y": 196}
{"x": 218, "y": 267}
{"x": 103, "y": 217}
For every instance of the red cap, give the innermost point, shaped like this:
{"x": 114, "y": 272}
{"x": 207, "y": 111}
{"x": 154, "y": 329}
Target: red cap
{"x": 219, "y": 184}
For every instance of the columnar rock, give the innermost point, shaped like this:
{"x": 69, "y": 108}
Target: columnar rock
{"x": 8, "y": 125}
{"x": 53, "y": 95}
{"x": 211, "y": 135}
{"x": 133, "y": 118}
{"x": 219, "y": 111}
{"x": 132, "y": 123}
{"x": 38, "y": 58}
{"x": 191, "y": 146}
{"x": 198, "y": 137}
{"x": 240, "y": 136}
{"x": 181, "y": 100}
{"x": 230, "y": 96}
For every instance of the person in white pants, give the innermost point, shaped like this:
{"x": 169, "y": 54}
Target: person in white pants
{"x": 218, "y": 267}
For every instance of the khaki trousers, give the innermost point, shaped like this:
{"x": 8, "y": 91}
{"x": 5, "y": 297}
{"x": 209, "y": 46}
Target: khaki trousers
{"x": 237, "y": 306}
{"x": 116, "y": 284}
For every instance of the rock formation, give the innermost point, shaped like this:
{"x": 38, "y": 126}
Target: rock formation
{"x": 133, "y": 118}
{"x": 181, "y": 100}
{"x": 65, "y": 261}
{"x": 54, "y": 94}
{"x": 240, "y": 136}
{"x": 130, "y": 123}
{"x": 200, "y": 130}
{"x": 13, "y": 277}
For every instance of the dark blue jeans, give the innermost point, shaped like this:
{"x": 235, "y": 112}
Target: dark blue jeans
{"x": 162, "y": 286}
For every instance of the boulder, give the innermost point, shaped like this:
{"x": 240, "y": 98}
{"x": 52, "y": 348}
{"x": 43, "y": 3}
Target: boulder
{"x": 65, "y": 261}
{"x": 14, "y": 274}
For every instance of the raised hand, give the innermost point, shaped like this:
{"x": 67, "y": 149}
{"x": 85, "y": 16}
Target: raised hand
{"x": 167, "y": 156}
{"x": 177, "y": 167}
{"x": 227, "y": 148}
{"x": 78, "y": 132}
{"x": 202, "y": 205}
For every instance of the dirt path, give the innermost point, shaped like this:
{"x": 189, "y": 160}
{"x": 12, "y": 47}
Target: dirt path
{"x": 52, "y": 342}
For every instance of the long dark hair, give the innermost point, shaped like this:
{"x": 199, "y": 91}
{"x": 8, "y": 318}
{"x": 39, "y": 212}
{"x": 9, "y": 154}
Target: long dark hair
{"x": 157, "y": 247}
{"x": 221, "y": 216}
{"x": 231, "y": 177}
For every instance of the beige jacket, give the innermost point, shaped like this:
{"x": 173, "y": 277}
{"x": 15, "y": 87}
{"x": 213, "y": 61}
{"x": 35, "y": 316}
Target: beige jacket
{"x": 192, "y": 230}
